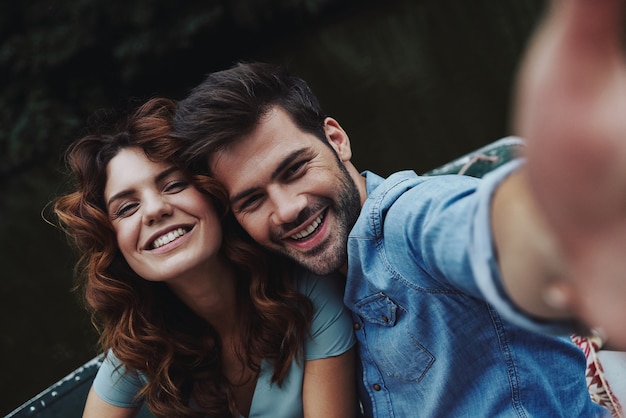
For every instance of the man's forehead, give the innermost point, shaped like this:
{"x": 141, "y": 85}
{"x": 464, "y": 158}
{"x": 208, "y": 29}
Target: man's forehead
{"x": 257, "y": 157}
{"x": 256, "y": 152}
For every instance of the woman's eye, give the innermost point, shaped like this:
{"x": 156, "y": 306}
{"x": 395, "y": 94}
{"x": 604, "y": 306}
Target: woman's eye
{"x": 176, "y": 186}
{"x": 126, "y": 210}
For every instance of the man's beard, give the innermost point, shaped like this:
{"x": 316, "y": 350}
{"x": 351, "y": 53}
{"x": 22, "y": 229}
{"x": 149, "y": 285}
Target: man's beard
{"x": 333, "y": 254}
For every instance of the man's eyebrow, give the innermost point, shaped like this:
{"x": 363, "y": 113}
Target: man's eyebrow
{"x": 162, "y": 175}
{"x": 286, "y": 162}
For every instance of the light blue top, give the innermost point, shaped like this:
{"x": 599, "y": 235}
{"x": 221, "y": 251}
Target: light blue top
{"x": 421, "y": 266}
{"x": 331, "y": 335}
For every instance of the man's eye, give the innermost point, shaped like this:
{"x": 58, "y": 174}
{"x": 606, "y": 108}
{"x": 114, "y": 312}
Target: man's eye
{"x": 249, "y": 203}
{"x": 295, "y": 168}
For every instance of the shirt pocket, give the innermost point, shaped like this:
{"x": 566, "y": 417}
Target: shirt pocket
{"x": 389, "y": 340}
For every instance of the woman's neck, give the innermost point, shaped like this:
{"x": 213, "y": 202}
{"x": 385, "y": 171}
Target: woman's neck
{"x": 213, "y": 297}
{"x": 211, "y": 294}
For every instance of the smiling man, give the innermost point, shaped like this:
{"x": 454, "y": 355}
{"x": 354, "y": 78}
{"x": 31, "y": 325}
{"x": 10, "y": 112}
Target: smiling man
{"x": 303, "y": 205}
{"x": 446, "y": 276}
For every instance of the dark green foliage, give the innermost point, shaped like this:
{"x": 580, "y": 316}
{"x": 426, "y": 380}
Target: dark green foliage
{"x": 60, "y": 61}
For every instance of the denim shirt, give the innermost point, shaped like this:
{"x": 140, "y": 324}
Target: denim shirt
{"x": 421, "y": 270}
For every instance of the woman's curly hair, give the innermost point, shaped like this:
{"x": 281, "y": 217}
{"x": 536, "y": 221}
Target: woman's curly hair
{"x": 144, "y": 324}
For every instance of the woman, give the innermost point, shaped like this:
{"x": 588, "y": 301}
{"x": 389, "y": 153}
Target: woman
{"x": 193, "y": 326}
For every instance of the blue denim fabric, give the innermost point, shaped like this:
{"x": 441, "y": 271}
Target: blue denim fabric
{"x": 429, "y": 343}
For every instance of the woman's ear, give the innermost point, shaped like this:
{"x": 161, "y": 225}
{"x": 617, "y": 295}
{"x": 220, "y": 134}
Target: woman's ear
{"x": 338, "y": 139}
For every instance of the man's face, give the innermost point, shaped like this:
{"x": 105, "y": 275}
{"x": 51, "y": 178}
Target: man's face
{"x": 291, "y": 192}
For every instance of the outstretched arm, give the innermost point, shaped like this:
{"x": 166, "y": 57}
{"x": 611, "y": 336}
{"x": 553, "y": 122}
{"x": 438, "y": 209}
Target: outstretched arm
{"x": 571, "y": 107}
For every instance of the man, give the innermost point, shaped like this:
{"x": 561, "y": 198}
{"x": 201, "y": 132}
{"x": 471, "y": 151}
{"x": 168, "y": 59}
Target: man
{"x": 445, "y": 275}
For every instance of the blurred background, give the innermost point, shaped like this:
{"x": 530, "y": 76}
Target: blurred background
{"x": 415, "y": 83}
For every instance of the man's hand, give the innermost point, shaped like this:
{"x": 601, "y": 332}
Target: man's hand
{"x": 571, "y": 107}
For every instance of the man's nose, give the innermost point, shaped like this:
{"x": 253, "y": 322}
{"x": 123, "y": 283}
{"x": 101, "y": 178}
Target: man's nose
{"x": 286, "y": 205}
{"x": 155, "y": 207}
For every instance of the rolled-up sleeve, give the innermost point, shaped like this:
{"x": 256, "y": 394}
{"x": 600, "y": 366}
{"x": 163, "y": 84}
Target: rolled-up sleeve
{"x": 115, "y": 385}
{"x": 331, "y": 327}
{"x": 484, "y": 262}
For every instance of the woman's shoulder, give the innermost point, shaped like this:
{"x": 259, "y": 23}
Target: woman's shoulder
{"x": 331, "y": 332}
{"x": 117, "y": 385}
{"x": 311, "y": 284}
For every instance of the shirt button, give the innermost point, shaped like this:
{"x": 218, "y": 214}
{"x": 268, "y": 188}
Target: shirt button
{"x": 385, "y": 319}
{"x": 376, "y": 387}
{"x": 357, "y": 326}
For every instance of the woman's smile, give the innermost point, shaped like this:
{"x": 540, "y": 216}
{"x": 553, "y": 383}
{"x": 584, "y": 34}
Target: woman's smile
{"x": 165, "y": 227}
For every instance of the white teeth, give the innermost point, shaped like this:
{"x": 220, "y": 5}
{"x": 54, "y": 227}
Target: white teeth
{"x": 167, "y": 238}
{"x": 309, "y": 230}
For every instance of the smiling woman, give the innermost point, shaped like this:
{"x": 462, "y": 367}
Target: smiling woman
{"x": 195, "y": 319}
{"x": 140, "y": 195}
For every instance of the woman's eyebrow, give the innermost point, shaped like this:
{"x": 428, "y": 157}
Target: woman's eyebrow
{"x": 118, "y": 196}
{"x": 124, "y": 193}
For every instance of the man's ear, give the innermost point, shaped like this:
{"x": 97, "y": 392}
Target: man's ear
{"x": 338, "y": 139}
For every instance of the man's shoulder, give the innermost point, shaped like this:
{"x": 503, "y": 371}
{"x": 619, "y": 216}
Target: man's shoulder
{"x": 373, "y": 181}
{"x": 407, "y": 184}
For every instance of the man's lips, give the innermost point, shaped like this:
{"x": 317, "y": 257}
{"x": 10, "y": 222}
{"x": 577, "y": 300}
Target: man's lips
{"x": 306, "y": 229}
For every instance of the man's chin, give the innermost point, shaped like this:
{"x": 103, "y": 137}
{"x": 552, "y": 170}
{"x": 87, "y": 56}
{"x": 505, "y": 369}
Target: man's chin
{"x": 317, "y": 269}
{"x": 321, "y": 265}
{"x": 324, "y": 259}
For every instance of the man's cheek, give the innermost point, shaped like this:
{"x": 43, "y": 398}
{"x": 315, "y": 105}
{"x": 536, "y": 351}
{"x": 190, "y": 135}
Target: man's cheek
{"x": 248, "y": 225}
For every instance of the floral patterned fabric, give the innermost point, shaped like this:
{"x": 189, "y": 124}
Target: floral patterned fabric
{"x": 599, "y": 388}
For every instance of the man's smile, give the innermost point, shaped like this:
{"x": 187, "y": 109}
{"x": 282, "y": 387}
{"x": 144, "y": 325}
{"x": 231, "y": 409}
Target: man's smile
{"x": 312, "y": 227}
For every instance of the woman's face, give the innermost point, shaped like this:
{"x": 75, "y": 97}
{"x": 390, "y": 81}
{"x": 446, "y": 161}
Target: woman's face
{"x": 165, "y": 228}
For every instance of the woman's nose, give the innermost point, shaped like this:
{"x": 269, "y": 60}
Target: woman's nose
{"x": 155, "y": 207}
